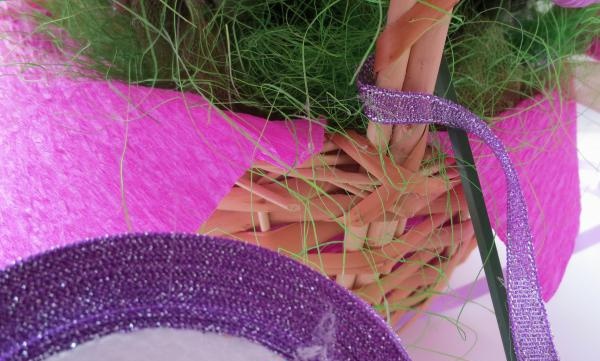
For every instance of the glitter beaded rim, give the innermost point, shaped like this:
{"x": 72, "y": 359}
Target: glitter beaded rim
{"x": 56, "y": 300}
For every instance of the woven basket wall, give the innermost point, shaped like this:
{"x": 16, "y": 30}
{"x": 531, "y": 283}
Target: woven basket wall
{"x": 389, "y": 224}
{"x": 385, "y": 232}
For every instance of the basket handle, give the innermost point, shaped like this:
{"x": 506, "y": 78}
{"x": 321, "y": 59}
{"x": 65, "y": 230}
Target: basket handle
{"x": 400, "y": 35}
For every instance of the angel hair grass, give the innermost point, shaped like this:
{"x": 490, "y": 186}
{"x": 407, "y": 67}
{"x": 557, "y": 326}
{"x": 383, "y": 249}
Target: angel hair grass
{"x": 501, "y": 55}
{"x": 298, "y": 58}
{"x": 276, "y": 58}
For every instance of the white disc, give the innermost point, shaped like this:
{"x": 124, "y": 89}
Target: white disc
{"x": 168, "y": 345}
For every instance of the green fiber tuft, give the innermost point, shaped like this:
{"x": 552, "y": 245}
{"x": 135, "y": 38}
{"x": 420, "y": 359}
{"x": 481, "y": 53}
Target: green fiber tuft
{"x": 285, "y": 59}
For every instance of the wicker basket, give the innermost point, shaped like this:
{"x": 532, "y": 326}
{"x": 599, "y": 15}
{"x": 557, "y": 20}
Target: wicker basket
{"x": 390, "y": 225}
{"x": 423, "y": 213}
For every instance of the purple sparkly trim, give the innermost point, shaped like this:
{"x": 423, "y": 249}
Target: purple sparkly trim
{"x": 529, "y": 325}
{"x": 59, "y": 299}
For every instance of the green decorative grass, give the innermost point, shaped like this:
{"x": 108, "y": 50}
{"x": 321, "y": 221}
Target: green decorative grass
{"x": 298, "y": 58}
{"x": 276, "y": 58}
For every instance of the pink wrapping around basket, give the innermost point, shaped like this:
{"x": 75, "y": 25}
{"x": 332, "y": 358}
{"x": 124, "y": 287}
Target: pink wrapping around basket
{"x": 540, "y": 135}
{"x": 594, "y": 50}
{"x": 82, "y": 158}
{"x": 575, "y": 3}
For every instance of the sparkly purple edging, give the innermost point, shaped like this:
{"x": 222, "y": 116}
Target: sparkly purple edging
{"x": 529, "y": 325}
{"x": 67, "y": 296}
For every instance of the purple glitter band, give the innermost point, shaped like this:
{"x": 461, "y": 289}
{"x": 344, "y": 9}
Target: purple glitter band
{"x": 575, "y": 3}
{"x": 59, "y": 299}
{"x": 529, "y": 325}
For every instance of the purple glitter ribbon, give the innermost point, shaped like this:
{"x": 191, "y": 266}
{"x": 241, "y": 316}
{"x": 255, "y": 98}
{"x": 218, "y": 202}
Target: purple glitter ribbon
{"x": 62, "y": 298}
{"x": 532, "y": 338}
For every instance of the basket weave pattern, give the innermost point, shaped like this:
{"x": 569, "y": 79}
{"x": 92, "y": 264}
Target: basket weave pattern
{"x": 389, "y": 234}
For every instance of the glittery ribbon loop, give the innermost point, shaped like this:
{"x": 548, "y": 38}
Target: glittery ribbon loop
{"x": 529, "y": 325}
{"x": 65, "y": 297}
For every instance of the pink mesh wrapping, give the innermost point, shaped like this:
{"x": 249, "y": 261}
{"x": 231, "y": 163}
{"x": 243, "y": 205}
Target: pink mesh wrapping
{"x": 575, "y": 3}
{"x": 594, "y": 50}
{"x": 540, "y": 135}
{"x": 82, "y": 158}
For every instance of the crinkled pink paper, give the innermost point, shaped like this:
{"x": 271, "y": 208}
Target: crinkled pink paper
{"x": 540, "y": 135}
{"x": 82, "y": 158}
{"x": 594, "y": 50}
{"x": 575, "y": 3}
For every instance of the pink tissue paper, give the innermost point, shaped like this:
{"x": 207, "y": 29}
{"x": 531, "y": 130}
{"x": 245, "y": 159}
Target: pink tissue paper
{"x": 594, "y": 50}
{"x": 82, "y": 158}
{"x": 540, "y": 135}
